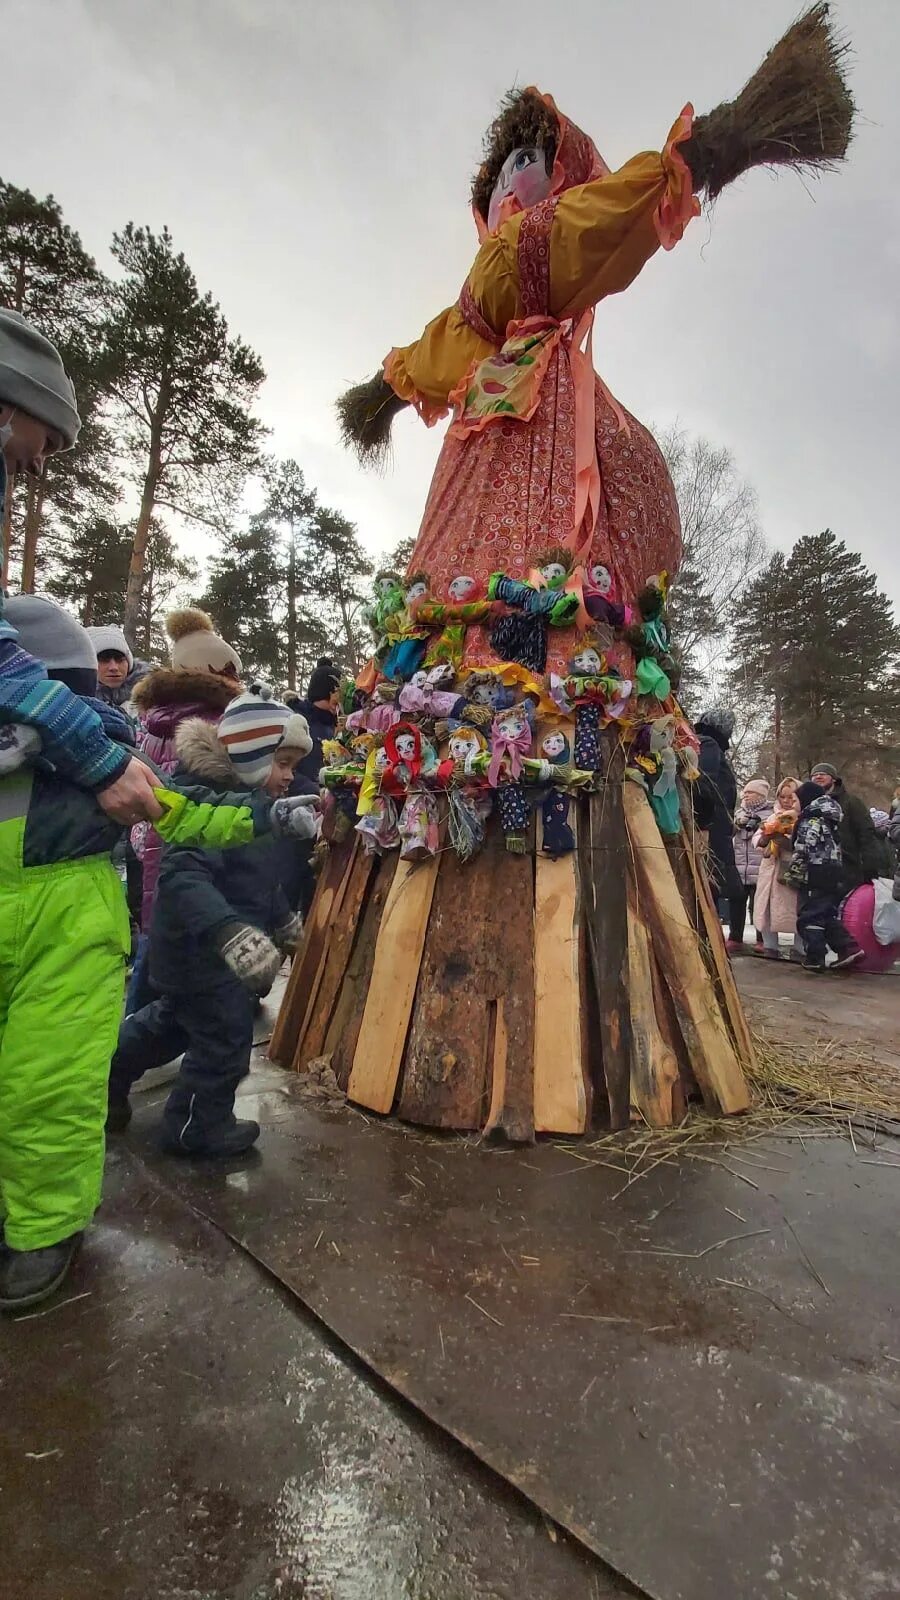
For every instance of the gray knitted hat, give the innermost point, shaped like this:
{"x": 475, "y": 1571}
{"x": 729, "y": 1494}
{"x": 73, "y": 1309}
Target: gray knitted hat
{"x": 33, "y": 378}
{"x": 48, "y": 632}
{"x": 109, "y": 636}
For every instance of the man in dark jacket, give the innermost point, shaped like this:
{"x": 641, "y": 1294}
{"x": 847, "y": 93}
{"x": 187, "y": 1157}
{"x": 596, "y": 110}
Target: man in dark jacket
{"x": 715, "y": 800}
{"x": 861, "y": 853}
{"x": 320, "y": 710}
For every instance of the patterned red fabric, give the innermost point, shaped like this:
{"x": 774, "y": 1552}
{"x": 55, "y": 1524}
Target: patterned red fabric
{"x": 501, "y": 494}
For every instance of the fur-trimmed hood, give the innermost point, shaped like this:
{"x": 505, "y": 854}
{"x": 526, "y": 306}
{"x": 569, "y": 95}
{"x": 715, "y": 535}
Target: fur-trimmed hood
{"x": 164, "y": 686}
{"x": 197, "y": 747}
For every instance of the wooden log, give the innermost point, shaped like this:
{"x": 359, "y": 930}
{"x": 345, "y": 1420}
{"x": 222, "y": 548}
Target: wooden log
{"x": 709, "y": 918}
{"x": 603, "y": 864}
{"x": 654, "y": 1064}
{"x": 309, "y": 959}
{"x": 448, "y": 1065}
{"x": 560, "y": 1067}
{"x": 344, "y": 923}
{"x": 511, "y": 1035}
{"x": 706, "y": 1035}
{"x": 382, "y": 1034}
{"x": 346, "y": 1020}
{"x": 667, "y": 1021}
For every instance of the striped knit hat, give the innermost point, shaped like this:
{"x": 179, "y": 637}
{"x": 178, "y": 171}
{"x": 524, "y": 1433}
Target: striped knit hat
{"x": 253, "y": 726}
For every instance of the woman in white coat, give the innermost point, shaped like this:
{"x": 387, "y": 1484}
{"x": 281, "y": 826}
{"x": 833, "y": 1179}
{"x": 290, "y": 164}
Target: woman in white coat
{"x": 775, "y": 906}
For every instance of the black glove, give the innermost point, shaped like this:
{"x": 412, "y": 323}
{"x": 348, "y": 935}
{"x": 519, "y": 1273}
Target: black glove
{"x": 250, "y": 955}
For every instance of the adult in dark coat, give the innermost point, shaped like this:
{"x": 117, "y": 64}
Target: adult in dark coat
{"x": 715, "y": 801}
{"x": 862, "y": 855}
{"x": 320, "y": 710}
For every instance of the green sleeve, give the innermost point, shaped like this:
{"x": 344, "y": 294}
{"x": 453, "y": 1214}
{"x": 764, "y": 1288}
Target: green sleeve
{"x": 195, "y": 815}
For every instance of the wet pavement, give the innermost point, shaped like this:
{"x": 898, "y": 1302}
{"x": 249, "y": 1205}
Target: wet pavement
{"x": 175, "y": 1427}
{"x": 695, "y": 1369}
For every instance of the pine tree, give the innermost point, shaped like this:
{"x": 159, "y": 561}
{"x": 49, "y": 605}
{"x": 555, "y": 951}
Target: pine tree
{"x": 334, "y": 569}
{"x": 183, "y": 389}
{"x": 90, "y": 574}
{"x": 244, "y": 594}
{"x": 399, "y": 558}
{"x": 816, "y": 639}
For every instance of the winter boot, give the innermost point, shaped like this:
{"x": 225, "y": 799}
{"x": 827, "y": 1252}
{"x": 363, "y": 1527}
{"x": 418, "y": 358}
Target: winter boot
{"x": 848, "y": 958}
{"x": 118, "y": 1112}
{"x": 232, "y": 1138}
{"x": 29, "y": 1276}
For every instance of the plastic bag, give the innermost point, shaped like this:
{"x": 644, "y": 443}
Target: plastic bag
{"x": 886, "y": 919}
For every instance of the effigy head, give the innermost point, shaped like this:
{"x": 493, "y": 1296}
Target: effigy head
{"x": 553, "y": 566}
{"x": 600, "y": 579}
{"x": 530, "y": 151}
{"x": 555, "y": 747}
{"x": 587, "y": 662}
{"x": 465, "y": 742}
{"x": 384, "y": 582}
{"x": 417, "y": 586}
{"x": 462, "y": 588}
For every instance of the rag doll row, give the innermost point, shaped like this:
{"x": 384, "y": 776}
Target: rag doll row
{"x": 427, "y": 740}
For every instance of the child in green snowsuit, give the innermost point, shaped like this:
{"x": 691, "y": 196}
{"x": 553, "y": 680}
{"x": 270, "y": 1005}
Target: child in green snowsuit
{"x": 64, "y": 939}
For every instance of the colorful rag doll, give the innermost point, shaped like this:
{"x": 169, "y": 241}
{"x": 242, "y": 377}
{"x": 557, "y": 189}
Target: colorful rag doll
{"x": 377, "y": 825}
{"x": 558, "y": 838}
{"x": 448, "y": 619}
{"x": 418, "y": 826}
{"x": 469, "y": 801}
{"x": 520, "y": 634}
{"x": 410, "y": 637}
{"x": 511, "y": 739}
{"x": 430, "y": 693}
{"x": 600, "y": 601}
{"x": 664, "y": 788}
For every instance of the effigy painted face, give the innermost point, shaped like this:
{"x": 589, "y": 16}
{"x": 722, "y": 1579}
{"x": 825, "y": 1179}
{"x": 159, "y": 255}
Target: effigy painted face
{"x": 384, "y": 582}
{"x": 382, "y": 760}
{"x": 415, "y": 592}
{"x": 512, "y": 723}
{"x": 406, "y": 746}
{"x": 553, "y": 572}
{"x": 523, "y": 181}
{"x": 460, "y": 589}
{"x": 601, "y": 578}
{"x": 463, "y": 745}
{"x": 587, "y": 663}
{"x": 554, "y": 745}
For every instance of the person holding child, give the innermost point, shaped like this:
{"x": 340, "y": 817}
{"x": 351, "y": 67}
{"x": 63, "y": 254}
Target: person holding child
{"x": 775, "y": 905}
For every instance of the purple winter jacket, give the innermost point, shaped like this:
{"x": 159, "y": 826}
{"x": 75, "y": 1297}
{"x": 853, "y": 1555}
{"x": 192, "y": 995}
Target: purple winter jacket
{"x": 163, "y": 700}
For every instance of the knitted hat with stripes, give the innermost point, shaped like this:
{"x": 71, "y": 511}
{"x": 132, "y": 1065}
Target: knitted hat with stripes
{"x": 253, "y": 726}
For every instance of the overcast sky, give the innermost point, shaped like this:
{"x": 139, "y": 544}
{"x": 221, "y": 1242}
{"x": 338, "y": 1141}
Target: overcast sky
{"x": 312, "y": 159}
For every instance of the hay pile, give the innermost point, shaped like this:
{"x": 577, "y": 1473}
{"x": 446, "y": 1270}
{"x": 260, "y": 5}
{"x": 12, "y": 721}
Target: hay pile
{"x": 795, "y": 111}
{"x": 799, "y": 1094}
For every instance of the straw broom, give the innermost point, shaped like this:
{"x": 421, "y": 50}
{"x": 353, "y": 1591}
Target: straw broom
{"x": 795, "y": 111}
{"x": 365, "y": 416}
